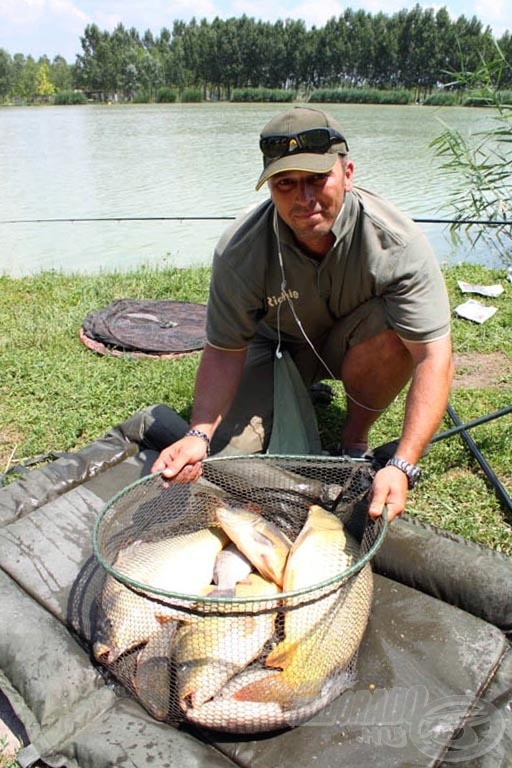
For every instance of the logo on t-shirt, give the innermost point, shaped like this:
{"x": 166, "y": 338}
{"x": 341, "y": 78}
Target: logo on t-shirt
{"x": 275, "y": 301}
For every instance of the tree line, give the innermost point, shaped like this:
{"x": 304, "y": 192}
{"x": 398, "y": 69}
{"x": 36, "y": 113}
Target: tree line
{"x": 418, "y": 49}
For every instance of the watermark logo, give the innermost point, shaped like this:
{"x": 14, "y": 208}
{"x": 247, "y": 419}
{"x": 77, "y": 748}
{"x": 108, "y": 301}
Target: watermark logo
{"x": 458, "y": 727}
{"x": 466, "y": 728}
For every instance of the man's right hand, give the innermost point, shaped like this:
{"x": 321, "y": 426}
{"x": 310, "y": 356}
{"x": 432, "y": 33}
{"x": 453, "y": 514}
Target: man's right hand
{"x": 182, "y": 460}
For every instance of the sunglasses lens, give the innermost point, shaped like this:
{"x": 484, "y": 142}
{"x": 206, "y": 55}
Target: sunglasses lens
{"x": 316, "y": 140}
{"x": 274, "y": 147}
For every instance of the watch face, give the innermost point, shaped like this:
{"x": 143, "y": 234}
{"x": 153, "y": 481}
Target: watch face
{"x": 413, "y": 474}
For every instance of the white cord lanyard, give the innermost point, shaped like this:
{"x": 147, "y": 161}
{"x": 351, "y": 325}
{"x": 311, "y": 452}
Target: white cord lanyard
{"x": 285, "y": 293}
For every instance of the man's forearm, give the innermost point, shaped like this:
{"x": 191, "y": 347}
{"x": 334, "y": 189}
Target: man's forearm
{"x": 426, "y": 401}
{"x": 216, "y": 385}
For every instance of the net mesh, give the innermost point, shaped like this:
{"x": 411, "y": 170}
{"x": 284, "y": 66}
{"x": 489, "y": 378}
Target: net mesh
{"x": 238, "y": 602}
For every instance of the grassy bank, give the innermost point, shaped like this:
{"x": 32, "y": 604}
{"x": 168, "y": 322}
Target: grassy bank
{"x": 56, "y": 395}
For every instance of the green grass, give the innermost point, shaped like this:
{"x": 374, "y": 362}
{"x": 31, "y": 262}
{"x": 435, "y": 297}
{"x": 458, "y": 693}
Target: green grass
{"x": 56, "y": 395}
{"x": 361, "y": 96}
{"x": 6, "y": 761}
{"x": 262, "y": 95}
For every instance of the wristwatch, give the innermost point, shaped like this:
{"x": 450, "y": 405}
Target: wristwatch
{"x": 411, "y": 470}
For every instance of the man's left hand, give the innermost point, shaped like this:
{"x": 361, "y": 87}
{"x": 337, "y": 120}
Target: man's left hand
{"x": 389, "y": 488}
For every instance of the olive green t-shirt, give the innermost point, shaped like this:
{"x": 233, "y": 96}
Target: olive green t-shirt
{"x": 378, "y": 252}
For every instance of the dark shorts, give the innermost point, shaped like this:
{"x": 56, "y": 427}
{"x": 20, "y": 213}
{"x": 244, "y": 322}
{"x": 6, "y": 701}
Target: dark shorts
{"x": 365, "y": 322}
{"x": 247, "y": 426}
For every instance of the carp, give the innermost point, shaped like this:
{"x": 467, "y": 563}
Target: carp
{"x": 182, "y": 564}
{"x": 231, "y": 566}
{"x": 126, "y": 620}
{"x": 321, "y": 637}
{"x": 153, "y": 678}
{"x": 211, "y": 651}
{"x": 260, "y": 540}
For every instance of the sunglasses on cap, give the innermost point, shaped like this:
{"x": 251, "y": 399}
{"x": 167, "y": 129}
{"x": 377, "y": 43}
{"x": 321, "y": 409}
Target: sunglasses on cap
{"x": 318, "y": 140}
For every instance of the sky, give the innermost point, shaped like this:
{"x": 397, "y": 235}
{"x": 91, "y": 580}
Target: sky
{"x": 54, "y": 27}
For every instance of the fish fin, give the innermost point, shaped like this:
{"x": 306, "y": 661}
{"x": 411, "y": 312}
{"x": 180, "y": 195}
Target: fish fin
{"x": 282, "y": 655}
{"x": 274, "y": 688}
{"x": 255, "y": 585}
{"x": 278, "y": 689}
{"x": 163, "y": 618}
{"x": 101, "y": 651}
{"x": 268, "y": 570}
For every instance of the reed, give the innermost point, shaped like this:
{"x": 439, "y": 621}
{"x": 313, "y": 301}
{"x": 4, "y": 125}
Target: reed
{"x": 361, "y": 96}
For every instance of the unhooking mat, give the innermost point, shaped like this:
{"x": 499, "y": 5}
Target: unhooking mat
{"x": 428, "y": 672}
{"x": 145, "y": 327}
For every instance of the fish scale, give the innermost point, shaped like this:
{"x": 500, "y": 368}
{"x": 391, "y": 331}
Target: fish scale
{"x": 182, "y": 564}
{"x": 210, "y": 652}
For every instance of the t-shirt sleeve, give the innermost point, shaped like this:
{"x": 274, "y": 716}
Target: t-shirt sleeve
{"x": 236, "y": 301}
{"x": 415, "y": 297}
{"x": 234, "y": 307}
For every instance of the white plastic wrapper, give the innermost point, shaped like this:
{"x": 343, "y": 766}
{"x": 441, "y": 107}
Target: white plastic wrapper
{"x": 474, "y": 310}
{"x": 492, "y": 291}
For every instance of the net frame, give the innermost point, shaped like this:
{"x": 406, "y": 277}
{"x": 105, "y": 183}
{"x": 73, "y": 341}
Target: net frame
{"x": 198, "y": 607}
{"x": 216, "y": 600}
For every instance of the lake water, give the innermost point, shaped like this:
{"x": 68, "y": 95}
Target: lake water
{"x": 186, "y": 160}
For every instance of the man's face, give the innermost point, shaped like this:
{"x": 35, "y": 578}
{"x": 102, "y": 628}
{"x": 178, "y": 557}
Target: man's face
{"x": 310, "y": 202}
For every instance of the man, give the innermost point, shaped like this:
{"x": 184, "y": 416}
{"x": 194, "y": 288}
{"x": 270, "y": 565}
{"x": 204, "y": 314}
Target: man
{"x": 343, "y": 283}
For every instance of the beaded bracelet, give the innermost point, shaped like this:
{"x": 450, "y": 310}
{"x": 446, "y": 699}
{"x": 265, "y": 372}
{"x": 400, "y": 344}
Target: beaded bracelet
{"x": 202, "y": 435}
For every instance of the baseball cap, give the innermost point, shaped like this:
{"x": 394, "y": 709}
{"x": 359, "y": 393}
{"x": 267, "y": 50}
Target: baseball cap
{"x": 301, "y": 139}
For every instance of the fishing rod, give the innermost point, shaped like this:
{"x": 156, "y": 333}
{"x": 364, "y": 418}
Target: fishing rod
{"x": 79, "y": 220}
{"x": 85, "y": 219}
{"x": 384, "y": 452}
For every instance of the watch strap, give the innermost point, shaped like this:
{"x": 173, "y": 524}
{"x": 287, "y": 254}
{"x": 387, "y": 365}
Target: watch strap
{"x": 412, "y": 472}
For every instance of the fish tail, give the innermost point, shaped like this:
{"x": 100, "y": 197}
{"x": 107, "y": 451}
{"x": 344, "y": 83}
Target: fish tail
{"x": 298, "y": 681}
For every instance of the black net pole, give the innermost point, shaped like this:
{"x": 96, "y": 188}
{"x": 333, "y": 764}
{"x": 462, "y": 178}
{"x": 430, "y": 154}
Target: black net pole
{"x": 491, "y": 476}
{"x": 473, "y": 423}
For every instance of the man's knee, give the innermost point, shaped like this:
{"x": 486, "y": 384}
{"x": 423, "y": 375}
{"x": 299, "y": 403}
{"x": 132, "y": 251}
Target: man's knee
{"x": 381, "y": 358}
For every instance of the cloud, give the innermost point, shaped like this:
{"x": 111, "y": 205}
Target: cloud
{"x": 201, "y": 9}
{"x": 313, "y": 14}
{"x": 32, "y": 12}
{"x": 497, "y": 15}
{"x": 153, "y": 14}
{"x": 40, "y": 27}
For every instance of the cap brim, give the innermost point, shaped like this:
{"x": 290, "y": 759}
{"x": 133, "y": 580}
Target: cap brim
{"x": 301, "y": 161}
